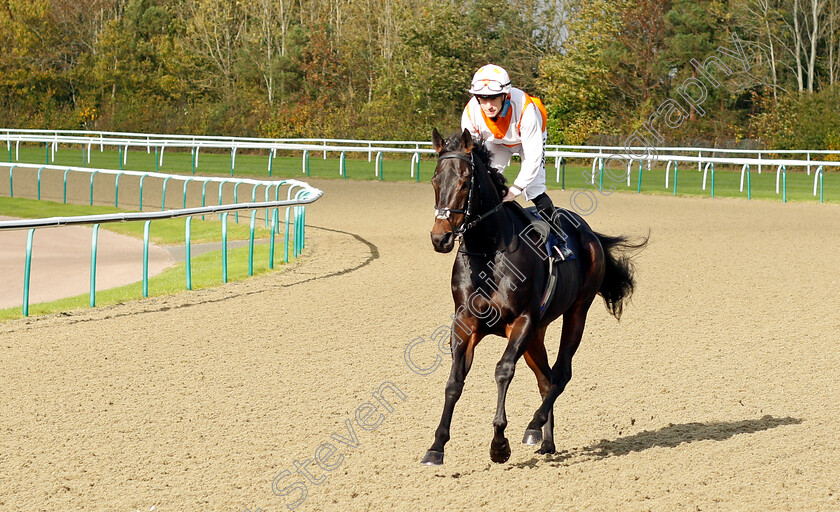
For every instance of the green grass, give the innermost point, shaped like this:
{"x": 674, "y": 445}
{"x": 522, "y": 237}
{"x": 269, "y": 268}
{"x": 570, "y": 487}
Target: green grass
{"x": 206, "y": 273}
{"x": 206, "y": 269}
{"x": 161, "y": 232}
{"x": 397, "y": 168}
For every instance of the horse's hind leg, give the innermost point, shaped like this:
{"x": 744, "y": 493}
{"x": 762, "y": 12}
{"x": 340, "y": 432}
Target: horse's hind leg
{"x": 537, "y": 360}
{"x": 574, "y": 321}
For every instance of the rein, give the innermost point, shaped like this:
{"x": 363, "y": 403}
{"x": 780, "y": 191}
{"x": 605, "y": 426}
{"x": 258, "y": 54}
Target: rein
{"x": 443, "y": 213}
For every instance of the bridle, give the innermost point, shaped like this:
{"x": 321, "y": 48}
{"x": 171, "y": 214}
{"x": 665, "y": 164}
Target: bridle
{"x": 444, "y": 213}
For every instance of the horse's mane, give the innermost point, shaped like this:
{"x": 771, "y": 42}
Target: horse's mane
{"x": 482, "y": 154}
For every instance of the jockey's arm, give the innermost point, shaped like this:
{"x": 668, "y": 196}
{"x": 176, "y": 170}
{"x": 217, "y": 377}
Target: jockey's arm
{"x": 466, "y": 122}
{"x": 533, "y": 148}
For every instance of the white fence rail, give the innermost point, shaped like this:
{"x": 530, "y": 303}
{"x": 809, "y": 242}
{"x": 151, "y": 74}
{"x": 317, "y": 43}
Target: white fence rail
{"x": 298, "y": 194}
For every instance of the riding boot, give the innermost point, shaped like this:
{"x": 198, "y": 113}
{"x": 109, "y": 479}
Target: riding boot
{"x": 546, "y": 210}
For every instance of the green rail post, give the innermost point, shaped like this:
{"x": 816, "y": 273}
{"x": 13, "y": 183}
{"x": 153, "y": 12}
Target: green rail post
{"x": 221, "y": 188}
{"x": 305, "y": 161}
{"x": 93, "y": 244}
{"x": 91, "y": 186}
{"x": 749, "y": 185}
{"x": 204, "y": 195}
{"x": 143, "y": 177}
{"x": 271, "y": 241}
{"x": 251, "y": 244}
{"x": 277, "y": 198}
{"x": 267, "y": 189}
{"x": 119, "y": 150}
{"x": 639, "y": 187}
{"x": 146, "y": 258}
{"x": 342, "y": 169}
{"x": 186, "y": 182}
{"x": 11, "y": 181}
{"x": 601, "y": 177}
{"x": 157, "y": 161}
{"x": 117, "y": 190}
{"x": 163, "y": 199}
{"x": 47, "y": 153}
{"x": 784, "y": 184}
{"x": 232, "y": 160}
{"x": 286, "y": 239}
{"x": 380, "y": 166}
{"x": 224, "y": 248}
{"x": 270, "y": 161}
{"x": 821, "y": 183}
{"x": 39, "y": 183}
{"x": 236, "y": 200}
{"x": 187, "y": 258}
{"x": 676, "y": 165}
{"x": 192, "y": 159}
{"x": 26, "y": 271}
{"x": 65, "y": 185}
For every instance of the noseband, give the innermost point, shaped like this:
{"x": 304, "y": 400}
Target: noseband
{"x": 444, "y": 213}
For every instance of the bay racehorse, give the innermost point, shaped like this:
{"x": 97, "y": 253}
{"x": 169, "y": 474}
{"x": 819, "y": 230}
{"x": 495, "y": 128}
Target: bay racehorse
{"x": 499, "y": 282}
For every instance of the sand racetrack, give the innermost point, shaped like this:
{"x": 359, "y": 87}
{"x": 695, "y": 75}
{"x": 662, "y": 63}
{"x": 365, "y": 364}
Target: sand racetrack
{"x": 718, "y": 390}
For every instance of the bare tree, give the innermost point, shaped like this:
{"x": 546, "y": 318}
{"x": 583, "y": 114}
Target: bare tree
{"x": 215, "y": 33}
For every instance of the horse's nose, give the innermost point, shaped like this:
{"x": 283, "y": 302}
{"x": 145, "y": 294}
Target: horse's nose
{"x": 443, "y": 241}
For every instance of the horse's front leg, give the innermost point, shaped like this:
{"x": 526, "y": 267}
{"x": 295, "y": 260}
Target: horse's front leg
{"x": 519, "y": 334}
{"x": 462, "y": 356}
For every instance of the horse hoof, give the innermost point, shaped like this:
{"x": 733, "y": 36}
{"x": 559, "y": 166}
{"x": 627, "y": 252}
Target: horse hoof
{"x": 546, "y": 448}
{"x": 500, "y": 453}
{"x": 532, "y": 437}
{"x": 432, "y": 458}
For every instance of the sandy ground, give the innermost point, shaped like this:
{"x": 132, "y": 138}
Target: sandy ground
{"x": 717, "y": 391}
{"x": 61, "y": 263}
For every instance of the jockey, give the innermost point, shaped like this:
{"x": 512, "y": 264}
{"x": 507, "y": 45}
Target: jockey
{"x": 509, "y": 121}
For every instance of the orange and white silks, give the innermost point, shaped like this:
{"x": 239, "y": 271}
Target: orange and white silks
{"x": 521, "y": 131}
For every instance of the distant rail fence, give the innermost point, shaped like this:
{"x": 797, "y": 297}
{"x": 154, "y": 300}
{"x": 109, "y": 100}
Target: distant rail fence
{"x": 297, "y": 195}
{"x": 52, "y": 140}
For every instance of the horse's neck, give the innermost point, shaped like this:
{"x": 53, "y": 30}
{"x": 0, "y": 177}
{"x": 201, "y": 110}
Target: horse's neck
{"x": 492, "y": 234}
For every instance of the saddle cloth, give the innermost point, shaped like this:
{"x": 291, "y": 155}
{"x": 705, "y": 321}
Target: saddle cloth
{"x": 554, "y": 260}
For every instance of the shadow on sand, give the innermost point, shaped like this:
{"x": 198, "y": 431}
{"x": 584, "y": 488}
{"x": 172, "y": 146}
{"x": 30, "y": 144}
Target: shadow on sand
{"x": 666, "y": 437}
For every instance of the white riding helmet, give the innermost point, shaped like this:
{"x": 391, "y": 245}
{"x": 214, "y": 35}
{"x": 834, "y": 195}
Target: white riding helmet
{"x": 490, "y": 80}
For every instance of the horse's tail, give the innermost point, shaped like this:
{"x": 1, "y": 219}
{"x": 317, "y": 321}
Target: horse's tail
{"x": 619, "y": 280}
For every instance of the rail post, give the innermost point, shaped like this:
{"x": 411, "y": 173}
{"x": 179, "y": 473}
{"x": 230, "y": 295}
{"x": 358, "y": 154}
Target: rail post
{"x": 26, "y": 271}
{"x": 39, "y": 183}
{"x": 146, "y": 258}
{"x": 93, "y": 245}
{"x": 91, "y": 186}
{"x": 117, "y": 190}
{"x": 224, "y": 248}
{"x": 163, "y": 198}
{"x": 187, "y": 255}
{"x": 65, "y": 185}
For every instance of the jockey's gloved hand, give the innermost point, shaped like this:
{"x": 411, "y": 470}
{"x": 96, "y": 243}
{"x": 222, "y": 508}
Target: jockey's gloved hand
{"x": 512, "y": 194}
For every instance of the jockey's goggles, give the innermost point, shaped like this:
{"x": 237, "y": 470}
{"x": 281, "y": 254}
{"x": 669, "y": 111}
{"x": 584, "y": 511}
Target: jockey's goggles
{"x": 488, "y": 87}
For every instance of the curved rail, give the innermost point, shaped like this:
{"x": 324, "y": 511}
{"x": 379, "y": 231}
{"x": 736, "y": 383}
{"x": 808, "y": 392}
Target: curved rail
{"x": 306, "y": 195}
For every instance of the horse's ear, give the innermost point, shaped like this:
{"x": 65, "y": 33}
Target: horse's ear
{"x": 467, "y": 141}
{"x": 437, "y": 140}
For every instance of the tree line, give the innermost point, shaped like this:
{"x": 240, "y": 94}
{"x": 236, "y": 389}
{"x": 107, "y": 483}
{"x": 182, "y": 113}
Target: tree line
{"x": 393, "y": 69}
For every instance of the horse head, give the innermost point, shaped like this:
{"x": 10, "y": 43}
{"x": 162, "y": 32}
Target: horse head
{"x": 453, "y": 183}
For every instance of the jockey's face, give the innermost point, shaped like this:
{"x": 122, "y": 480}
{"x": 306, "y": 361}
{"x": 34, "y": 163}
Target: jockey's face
{"x": 491, "y": 105}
